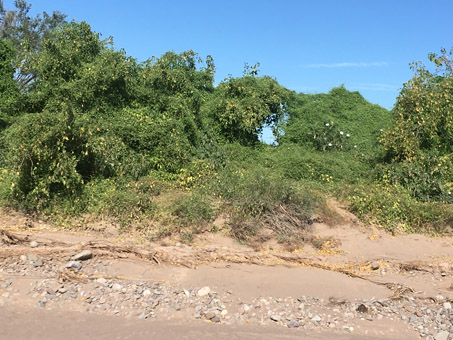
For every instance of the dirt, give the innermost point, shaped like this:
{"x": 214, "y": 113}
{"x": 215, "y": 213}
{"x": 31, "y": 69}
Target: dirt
{"x": 394, "y": 278}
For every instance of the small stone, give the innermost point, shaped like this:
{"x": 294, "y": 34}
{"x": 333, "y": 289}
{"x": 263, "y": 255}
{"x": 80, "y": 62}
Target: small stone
{"x": 275, "y": 317}
{"x": 442, "y": 335}
{"x": 117, "y": 286}
{"x": 23, "y": 258}
{"x": 6, "y": 284}
{"x": 293, "y": 324}
{"x": 38, "y": 263}
{"x": 209, "y": 315}
{"x": 316, "y": 318}
{"x": 62, "y": 290}
{"x": 83, "y": 255}
{"x": 215, "y": 319}
{"x": 101, "y": 281}
{"x": 74, "y": 265}
{"x": 204, "y": 291}
{"x": 143, "y": 315}
{"x": 447, "y": 305}
{"x": 32, "y": 257}
{"x": 34, "y": 244}
{"x": 146, "y": 293}
{"x": 375, "y": 266}
{"x": 224, "y": 312}
{"x": 362, "y": 308}
{"x": 419, "y": 314}
{"x": 41, "y": 304}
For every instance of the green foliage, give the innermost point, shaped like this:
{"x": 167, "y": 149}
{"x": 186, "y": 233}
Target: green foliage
{"x": 392, "y": 207}
{"x": 241, "y": 107}
{"x": 127, "y": 202}
{"x": 421, "y": 139}
{"x": 9, "y": 92}
{"x": 254, "y": 192}
{"x": 323, "y": 122}
{"x": 301, "y": 163}
{"x": 193, "y": 210}
{"x": 76, "y": 68}
{"x": 26, "y": 34}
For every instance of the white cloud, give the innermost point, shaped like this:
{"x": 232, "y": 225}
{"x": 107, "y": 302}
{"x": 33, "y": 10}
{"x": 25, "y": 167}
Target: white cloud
{"x": 348, "y": 64}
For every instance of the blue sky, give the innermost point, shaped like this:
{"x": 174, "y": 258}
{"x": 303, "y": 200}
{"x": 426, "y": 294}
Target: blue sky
{"x": 308, "y": 46}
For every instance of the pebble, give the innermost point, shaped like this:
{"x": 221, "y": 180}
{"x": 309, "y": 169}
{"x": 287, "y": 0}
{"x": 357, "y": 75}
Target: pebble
{"x": 209, "y": 315}
{"x": 442, "y": 335}
{"x": 83, "y": 255}
{"x": 447, "y": 305}
{"x": 293, "y": 324}
{"x": 375, "y": 266}
{"x": 34, "y": 244}
{"x": 316, "y": 318}
{"x": 101, "y": 281}
{"x": 74, "y": 265}
{"x": 204, "y": 291}
{"x": 275, "y": 317}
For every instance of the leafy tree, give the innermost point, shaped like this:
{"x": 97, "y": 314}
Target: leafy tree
{"x": 74, "y": 67}
{"x": 338, "y": 120}
{"x": 241, "y": 107}
{"x": 26, "y": 34}
{"x": 420, "y": 144}
{"x": 9, "y": 92}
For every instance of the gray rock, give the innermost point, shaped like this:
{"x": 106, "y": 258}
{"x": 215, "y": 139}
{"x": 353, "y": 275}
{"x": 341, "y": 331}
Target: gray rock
{"x": 38, "y": 263}
{"x": 41, "y": 304}
{"x": 215, "y": 319}
{"x": 74, "y": 265}
{"x": 34, "y": 244}
{"x": 293, "y": 324}
{"x": 442, "y": 335}
{"x": 83, "y": 255}
{"x": 6, "y": 284}
{"x": 447, "y": 305}
{"x": 275, "y": 317}
{"x": 32, "y": 257}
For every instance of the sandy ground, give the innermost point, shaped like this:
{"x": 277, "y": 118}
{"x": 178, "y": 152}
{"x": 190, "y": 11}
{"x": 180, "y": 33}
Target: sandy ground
{"x": 414, "y": 266}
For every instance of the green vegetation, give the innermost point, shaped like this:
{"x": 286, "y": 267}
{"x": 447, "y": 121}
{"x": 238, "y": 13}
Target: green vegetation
{"x": 87, "y": 132}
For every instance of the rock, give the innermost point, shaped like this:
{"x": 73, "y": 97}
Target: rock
{"x": 204, "y": 291}
{"x": 32, "y": 257}
{"x": 419, "y": 314}
{"x": 38, "y": 263}
{"x": 143, "y": 315}
{"x": 293, "y": 324}
{"x": 146, "y": 293}
{"x": 23, "y": 258}
{"x": 74, "y": 265}
{"x": 209, "y": 315}
{"x": 362, "y": 308}
{"x": 101, "y": 281}
{"x": 34, "y": 244}
{"x": 83, "y": 255}
{"x": 375, "y": 266}
{"x": 275, "y": 317}
{"x": 117, "y": 286}
{"x": 316, "y": 318}
{"x": 41, "y": 304}
{"x": 447, "y": 305}
{"x": 215, "y": 319}
{"x": 6, "y": 284}
{"x": 224, "y": 312}
{"x": 442, "y": 335}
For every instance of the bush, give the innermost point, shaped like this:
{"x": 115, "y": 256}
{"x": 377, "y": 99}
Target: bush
{"x": 392, "y": 207}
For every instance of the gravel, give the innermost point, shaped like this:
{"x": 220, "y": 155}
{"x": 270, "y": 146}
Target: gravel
{"x": 148, "y": 300}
